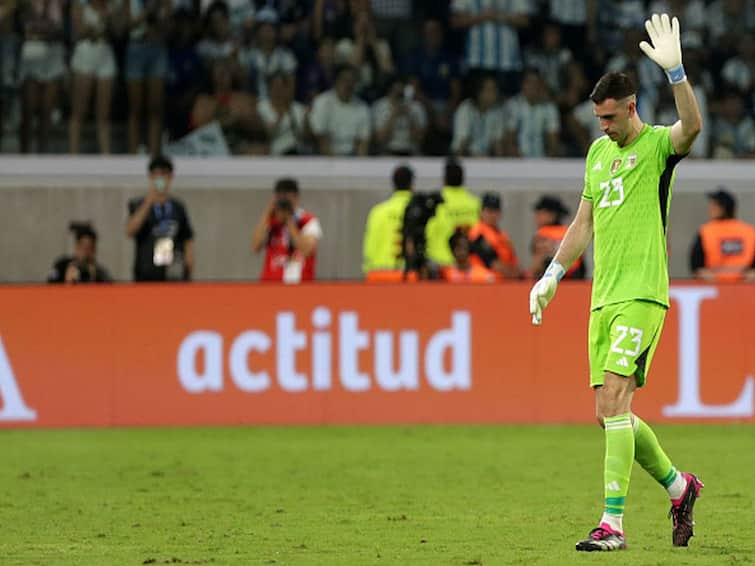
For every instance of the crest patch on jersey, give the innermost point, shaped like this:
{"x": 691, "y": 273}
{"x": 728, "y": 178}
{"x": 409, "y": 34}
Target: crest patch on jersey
{"x": 615, "y": 164}
{"x": 631, "y": 160}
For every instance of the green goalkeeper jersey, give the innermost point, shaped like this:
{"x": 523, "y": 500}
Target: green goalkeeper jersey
{"x": 630, "y": 191}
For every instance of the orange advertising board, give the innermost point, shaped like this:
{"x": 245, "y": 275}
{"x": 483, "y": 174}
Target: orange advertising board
{"x": 200, "y": 354}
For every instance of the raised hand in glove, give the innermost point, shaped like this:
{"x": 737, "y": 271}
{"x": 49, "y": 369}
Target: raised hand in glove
{"x": 666, "y": 50}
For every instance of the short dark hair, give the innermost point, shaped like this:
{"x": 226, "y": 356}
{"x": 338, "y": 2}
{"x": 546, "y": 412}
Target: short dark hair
{"x": 403, "y": 177}
{"x": 346, "y": 68}
{"x": 454, "y": 174}
{"x": 725, "y": 200}
{"x": 459, "y": 234}
{"x": 286, "y": 185}
{"x": 159, "y": 161}
{"x": 612, "y": 85}
{"x": 82, "y": 230}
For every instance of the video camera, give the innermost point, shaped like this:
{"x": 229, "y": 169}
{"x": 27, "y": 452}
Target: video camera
{"x": 420, "y": 209}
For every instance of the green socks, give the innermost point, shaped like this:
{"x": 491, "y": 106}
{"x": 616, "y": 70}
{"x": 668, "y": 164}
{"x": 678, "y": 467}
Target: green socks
{"x": 618, "y": 466}
{"x": 650, "y": 455}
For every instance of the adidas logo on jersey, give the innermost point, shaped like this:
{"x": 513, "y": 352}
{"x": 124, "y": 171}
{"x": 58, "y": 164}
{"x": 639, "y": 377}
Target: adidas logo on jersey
{"x": 598, "y": 166}
{"x": 623, "y": 362}
{"x": 613, "y": 486}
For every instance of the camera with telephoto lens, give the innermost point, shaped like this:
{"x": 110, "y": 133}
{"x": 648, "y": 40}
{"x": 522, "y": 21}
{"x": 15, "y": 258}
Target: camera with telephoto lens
{"x": 421, "y": 208}
{"x": 284, "y": 205}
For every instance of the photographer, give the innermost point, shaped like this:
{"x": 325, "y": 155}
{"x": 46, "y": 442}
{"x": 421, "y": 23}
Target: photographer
{"x": 82, "y": 266}
{"x": 289, "y": 236}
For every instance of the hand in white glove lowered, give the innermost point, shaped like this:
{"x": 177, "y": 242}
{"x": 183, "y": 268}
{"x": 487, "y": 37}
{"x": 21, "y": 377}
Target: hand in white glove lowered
{"x": 544, "y": 290}
{"x": 666, "y": 49}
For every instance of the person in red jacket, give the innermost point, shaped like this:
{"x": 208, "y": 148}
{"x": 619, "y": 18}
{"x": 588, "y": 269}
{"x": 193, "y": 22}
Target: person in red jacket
{"x": 289, "y": 236}
{"x": 724, "y": 249}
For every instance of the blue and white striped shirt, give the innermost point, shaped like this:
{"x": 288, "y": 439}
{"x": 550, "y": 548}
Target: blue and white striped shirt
{"x": 490, "y": 45}
{"x": 531, "y": 123}
{"x": 569, "y": 12}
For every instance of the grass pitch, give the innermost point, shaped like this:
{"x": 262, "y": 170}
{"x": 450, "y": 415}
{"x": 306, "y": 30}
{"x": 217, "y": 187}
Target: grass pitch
{"x": 353, "y": 496}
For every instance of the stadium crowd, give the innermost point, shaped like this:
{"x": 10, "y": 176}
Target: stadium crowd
{"x": 355, "y": 77}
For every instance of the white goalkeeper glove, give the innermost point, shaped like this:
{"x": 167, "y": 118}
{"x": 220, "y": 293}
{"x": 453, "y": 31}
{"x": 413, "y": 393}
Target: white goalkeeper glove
{"x": 667, "y": 48}
{"x": 544, "y": 290}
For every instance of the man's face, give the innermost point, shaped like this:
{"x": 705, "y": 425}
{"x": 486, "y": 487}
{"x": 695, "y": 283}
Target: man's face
{"x": 278, "y": 89}
{"x": 266, "y": 35}
{"x": 433, "y": 33}
{"x": 715, "y": 210}
{"x": 614, "y": 117}
{"x": 161, "y": 179}
{"x": 544, "y": 217}
{"x": 488, "y": 95}
{"x": 85, "y": 250}
{"x": 345, "y": 85}
{"x": 531, "y": 87}
{"x": 461, "y": 250}
{"x": 490, "y": 216}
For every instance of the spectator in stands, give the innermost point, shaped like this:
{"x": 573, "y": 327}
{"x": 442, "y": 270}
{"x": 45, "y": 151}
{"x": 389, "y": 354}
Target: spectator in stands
{"x": 400, "y": 121}
{"x": 295, "y": 26}
{"x": 332, "y": 18}
{"x": 289, "y": 235}
{"x": 94, "y": 68}
{"x": 613, "y": 19}
{"x": 393, "y": 20}
{"x": 733, "y": 134}
{"x": 41, "y": 66}
{"x": 319, "y": 75}
{"x": 266, "y": 57}
{"x": 491, "y": 246}
{"x": 160, "y": 227}
{"x": 382, "y": 256}
{"x": 739, "y": 71}
{"x": 581, "y": 127}
{"x": 240, "y": 16}
{"x": 81, "y": 266}
{"x": 459, "y": 210}
{"x": 550, "y": 58}
{"x": 691, "y": 12}
{"x": 435, "y": 75}
{"x": 217, "y": 41}
{"x": 367, "y": 53}
{"x": 146, "y": 67}
{"x": 339, "y": 120}
{"x": 479, "y": 122}
{"x": 532, "y": 121}
{"x": 463, "y": 269}
{"x": 492, "y": 37}
{"x": 728, "y": 21}
{"x": 233, "y": 109}
{"x": 285, "y": 119}
{"x": 724, "y": 249}
{"x": 549, "y": 216}
{"x": 185, "y": 75}
{"x": 576, "y": 21}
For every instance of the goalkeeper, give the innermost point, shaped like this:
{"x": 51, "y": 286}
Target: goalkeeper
{"x": 629, "y": 173}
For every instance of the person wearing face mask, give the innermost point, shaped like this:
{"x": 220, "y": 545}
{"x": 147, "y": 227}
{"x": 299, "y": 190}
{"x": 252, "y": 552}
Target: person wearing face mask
{"x": 160, "y": 227}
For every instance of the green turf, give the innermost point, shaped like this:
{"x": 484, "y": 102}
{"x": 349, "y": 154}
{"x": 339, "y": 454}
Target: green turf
{"x": 353, "y": 496}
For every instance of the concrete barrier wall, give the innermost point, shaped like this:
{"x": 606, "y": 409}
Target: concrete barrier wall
{"x": 40, "y": 196}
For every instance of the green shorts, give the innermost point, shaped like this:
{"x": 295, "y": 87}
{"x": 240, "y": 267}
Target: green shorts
{"x": 623, "y": 338}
